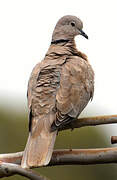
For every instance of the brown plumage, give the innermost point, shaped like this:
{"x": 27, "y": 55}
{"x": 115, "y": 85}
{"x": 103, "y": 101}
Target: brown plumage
{"x": 59, "y": 89}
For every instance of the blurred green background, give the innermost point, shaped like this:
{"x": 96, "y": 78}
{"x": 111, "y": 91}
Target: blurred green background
{"x": 13, "y": 136}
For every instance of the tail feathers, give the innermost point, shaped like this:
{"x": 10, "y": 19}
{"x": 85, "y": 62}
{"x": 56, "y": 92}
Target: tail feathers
{"x": 38, "y": 150}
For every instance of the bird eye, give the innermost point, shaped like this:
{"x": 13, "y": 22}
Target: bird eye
{"x": 73, "y": 24}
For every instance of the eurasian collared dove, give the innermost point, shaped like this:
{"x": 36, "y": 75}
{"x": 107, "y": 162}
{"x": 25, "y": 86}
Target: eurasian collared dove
{"x": 59, "y": 88}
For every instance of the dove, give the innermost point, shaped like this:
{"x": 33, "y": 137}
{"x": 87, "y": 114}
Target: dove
{"x": 59, "y": 88}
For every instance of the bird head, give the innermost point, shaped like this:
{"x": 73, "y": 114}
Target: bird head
{"x": 67, "y": 28}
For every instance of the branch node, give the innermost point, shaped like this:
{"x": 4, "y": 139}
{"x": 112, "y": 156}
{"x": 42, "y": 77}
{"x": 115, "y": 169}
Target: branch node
{"x": 113, "y": 139}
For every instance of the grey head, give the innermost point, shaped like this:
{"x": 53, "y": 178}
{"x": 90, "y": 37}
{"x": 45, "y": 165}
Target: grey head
{"x": 67, "y": 28}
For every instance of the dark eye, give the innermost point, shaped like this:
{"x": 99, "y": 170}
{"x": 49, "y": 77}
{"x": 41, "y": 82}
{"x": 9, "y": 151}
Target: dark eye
{"x": 73, "y": 24}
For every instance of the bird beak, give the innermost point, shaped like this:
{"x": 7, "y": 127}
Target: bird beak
{"x": 83, "y": 33}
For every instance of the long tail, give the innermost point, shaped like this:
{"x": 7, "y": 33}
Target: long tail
{"x": 38, "y": 150}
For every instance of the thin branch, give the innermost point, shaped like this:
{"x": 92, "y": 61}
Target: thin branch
{"x": 72, "y": 156}
{"x": 8, "y": 169}
{"x": 90, "y": 121}
{"x": 84, "y": 156}
{"x": 64, "y": 157}
{"x": 14, "y": 158}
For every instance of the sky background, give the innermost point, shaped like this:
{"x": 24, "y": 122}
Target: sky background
{"x": 26, "y": 27}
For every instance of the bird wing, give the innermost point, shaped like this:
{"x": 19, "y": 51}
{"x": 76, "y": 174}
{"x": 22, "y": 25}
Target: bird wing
{"x": 75, "y": 91}
{"x": 31, "y": 86}
{"x": 42, "y": 87}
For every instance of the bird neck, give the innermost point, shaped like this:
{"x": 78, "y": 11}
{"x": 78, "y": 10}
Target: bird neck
{"x": 59, "y": 41}
{"x": 62, "y": 47}
{"x": 65, "y": 47}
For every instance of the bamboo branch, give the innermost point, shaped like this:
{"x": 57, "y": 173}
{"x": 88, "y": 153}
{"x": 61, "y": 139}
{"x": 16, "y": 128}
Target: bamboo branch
{"x": 8, "y": 169}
